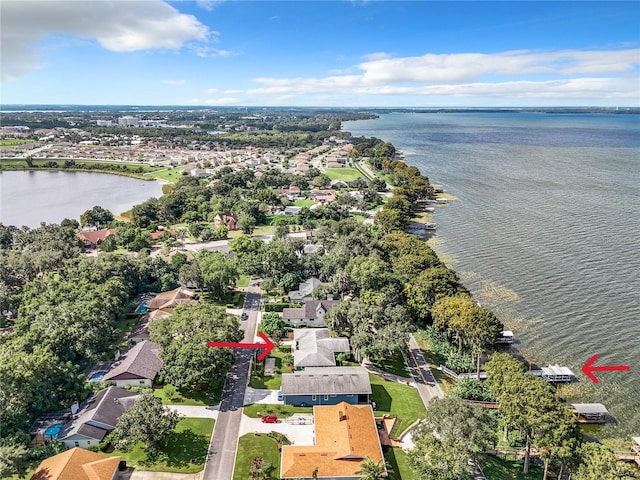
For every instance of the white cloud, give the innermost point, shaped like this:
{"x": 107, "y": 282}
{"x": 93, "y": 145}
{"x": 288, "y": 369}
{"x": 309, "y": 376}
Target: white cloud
{"x": 115, "y": 25}
{"x": 233, "y": 92}
{"x": 222, "y": 101}
{"x": 174, "y": 82}
{"x": 211, "y": 90}
{"x": 205, "y": 51}
{"x": 517, "y": 74}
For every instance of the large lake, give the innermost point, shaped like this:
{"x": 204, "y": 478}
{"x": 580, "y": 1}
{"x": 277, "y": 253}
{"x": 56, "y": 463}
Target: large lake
{"x": 30, "y": 197}
{"x": 545, "y": 232}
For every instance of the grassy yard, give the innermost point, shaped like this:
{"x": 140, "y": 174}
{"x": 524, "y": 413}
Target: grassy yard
{"x": 346, "y": 174}
{"x": 14, "y": 142}
{"x": 171, "y": 175}
{"x": 185, "y": 397}
{"x": 399, "y": 463}
{"x": 232, "y": 299}
{"x": 243, "y": 281}
{"x": 498, "y": 469}
{"x": 184, "y": 453}
{"x": 259, "y": 409}
{"x": 272, "y": 382}
{"x": 303, "y": 202}
{"x": 396, "y": 365}
{"x": 253, "y": 445}
{"x": 398, "y": 400}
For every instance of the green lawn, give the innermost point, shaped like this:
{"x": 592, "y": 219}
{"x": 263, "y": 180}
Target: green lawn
{"x": 346, "y": 174}
{"x": 272, "y": 382}
{"x": 232, "y": 299}
{"x": 395, "y": 365}
{"x": 185, "y": 397}
{"x": 171, "y": 175}
{"x": 399, "y": 463}
{"x": 243, "y": 281}
{"x": 255, "y": 445}
{"x": 398, "y": 400}
{"x": 14, "y": 142}
{"x": 303, "y": 202}
{"x": 498, "y": 469}
{"x": 184, "y": 453}
{"x": 259, "y": 409}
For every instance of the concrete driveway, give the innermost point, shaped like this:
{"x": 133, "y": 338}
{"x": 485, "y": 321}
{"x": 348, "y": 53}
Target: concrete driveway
{"x": 298, "y": 428}
{"x": 254, "y": 395}
{"x": 196, "y": 411}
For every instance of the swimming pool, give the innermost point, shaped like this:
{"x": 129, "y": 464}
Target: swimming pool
{"x": 142, "y": 308}
{"x": 53, "y": 430}
{"x": 95, "y": 376}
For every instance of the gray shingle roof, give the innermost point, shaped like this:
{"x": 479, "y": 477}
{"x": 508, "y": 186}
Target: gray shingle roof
{"x": 327, "y": 381}
{"x": 140, "y": 361}
{"x": 105, "y": 407}
{"x": 316, "y": 347}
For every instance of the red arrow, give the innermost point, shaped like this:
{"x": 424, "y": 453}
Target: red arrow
{"x": 268, "y": 346}
{"x": 588, "y": 367}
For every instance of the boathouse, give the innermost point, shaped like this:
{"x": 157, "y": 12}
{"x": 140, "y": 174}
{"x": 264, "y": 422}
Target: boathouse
{"x": 557, "y": 374}
{"x": 589, "y": 412}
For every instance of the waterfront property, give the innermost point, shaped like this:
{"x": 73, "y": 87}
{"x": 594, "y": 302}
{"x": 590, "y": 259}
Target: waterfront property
{"x": 137, "y": 367}
{"x": 97, "y": 416}
{"x": 326, "y": 386}
{"x": 93, "y": 238}
{"x": 589, "y": 412}
{"x": 315, "y": 347}
{"x": 554, "y": 374}
{"x": 78, "y": 464}
{"x": 506, "y": 336}
{"x": 344, "y": 436}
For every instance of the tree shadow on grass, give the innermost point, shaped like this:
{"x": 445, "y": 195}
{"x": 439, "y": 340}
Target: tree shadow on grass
{"x": 184, "y": 449}
{"x": 381, "y": 397}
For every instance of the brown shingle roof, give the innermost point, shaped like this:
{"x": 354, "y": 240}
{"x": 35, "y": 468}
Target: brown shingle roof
{"x": 140, "y": 361}
{"x": 171, "y": 299}
{"x": 77, "y": 464}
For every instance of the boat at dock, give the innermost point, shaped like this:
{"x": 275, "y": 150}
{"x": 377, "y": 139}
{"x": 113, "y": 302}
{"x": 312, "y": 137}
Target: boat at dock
{"x": 429, "y": 226}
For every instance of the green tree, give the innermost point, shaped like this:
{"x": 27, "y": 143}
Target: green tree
{"x": 429, "y": 285}
{"x": 147, "y": 421}
{"x": 600, "y": 463}
{"x": 96, "y": 217}
{"x": 13, "y": 460}
{"x": 273, "y": 325}
{"x": 371, "y": 470}
{"x": 183, "y": 337}
{"x": 218, "y": 272}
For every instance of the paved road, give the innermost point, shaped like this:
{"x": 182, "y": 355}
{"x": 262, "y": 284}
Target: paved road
{"x": 421, "y": 373}
{"x": 224, "y": 442}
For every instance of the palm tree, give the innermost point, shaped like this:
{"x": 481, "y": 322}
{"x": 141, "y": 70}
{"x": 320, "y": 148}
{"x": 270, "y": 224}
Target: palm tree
{"x": 371, "y": 470}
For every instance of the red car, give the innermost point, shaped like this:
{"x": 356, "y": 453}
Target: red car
{"x": 269, "y": 419}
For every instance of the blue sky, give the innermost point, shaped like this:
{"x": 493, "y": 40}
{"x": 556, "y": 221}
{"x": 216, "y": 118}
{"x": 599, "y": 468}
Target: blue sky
{"x": 325, "y": 53}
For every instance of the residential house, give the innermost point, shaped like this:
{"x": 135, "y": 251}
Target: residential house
{"x": 171, "y": 299}
{"x": 140, "y": 331}
{"x": 326, "y": 386}
{"x": 305, "y": 289}
{"x": 292, "y": 210}
{"x": 137, "y": 367}
{"x": 97, "y": 417}
{"x": 292, "y": 193}
{"x": 315, "y": 347}
{"x": 78, "y": 464}
{"x": 312, "y": 313}
{"x": 94, "y": 238}
{"x": 229, "y": 220}
{"x": 344, "y": 436}
{"x": 322, "y": 196}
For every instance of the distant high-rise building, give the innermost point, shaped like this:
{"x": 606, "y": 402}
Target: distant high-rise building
{"x": 128, "y": 121}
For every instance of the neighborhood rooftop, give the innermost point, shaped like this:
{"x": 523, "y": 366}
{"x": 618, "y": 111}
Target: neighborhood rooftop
{"x": 315, "y": 347}
{"x": 327, "y": 381}
{"x": 140, "y": 361}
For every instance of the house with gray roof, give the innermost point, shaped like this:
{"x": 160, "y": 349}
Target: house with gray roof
{"x": 137, "y": 367}
{"x": 315, "y": 347}
{"x": 312, "y": 313}
{"x": 326, "y": 386}
{"x": 97, "y": 417}
{"x": 305, "y": 289}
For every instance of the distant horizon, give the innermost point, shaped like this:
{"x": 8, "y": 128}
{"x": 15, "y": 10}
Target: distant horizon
{"x": 352, "y": 53}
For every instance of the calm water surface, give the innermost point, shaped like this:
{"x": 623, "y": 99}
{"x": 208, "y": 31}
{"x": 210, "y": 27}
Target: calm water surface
{"x": 28, "y": 198}
{"x": 544, "y": 231}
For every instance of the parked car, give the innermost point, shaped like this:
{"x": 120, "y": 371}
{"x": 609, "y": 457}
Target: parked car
{"x": 280, "y": 397}
{"x": 244, "y": 316}
{"x": 270, "y": 419}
